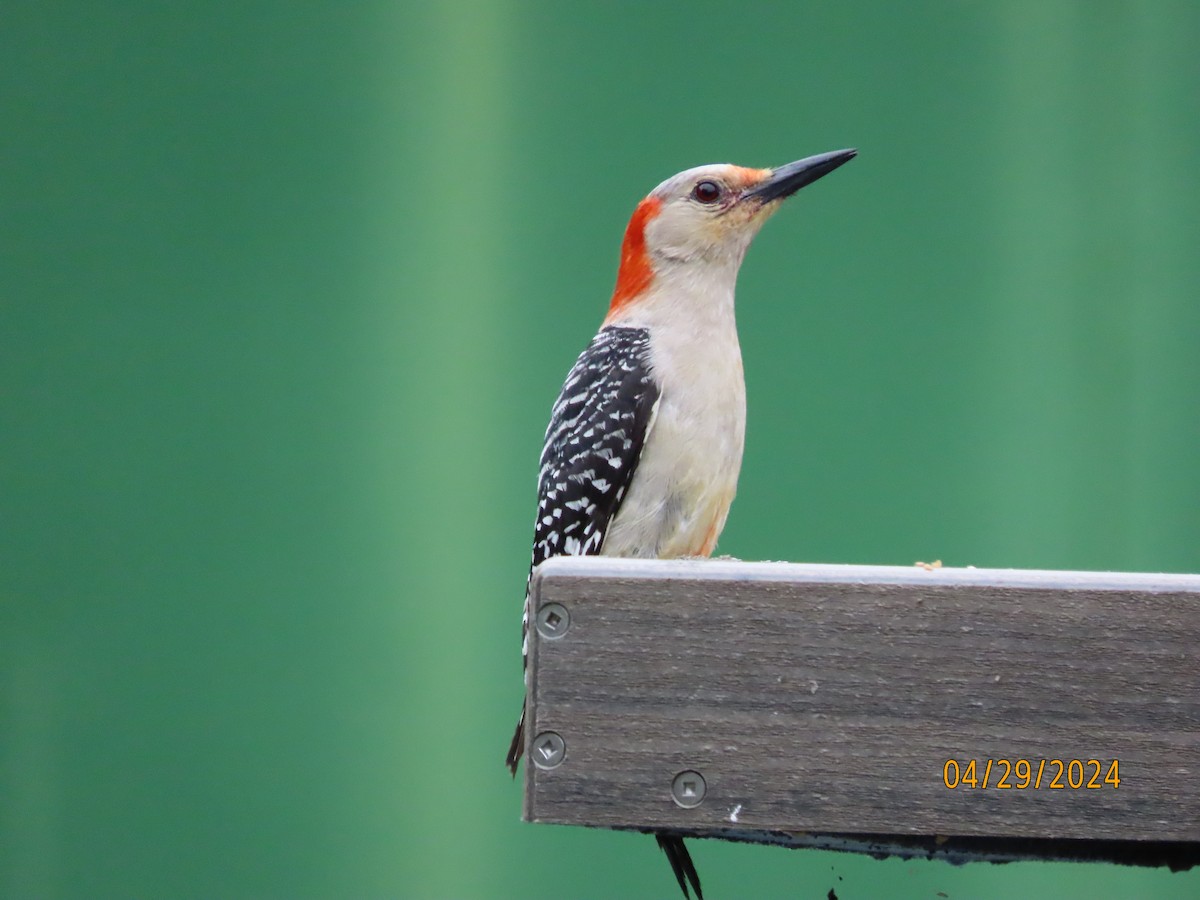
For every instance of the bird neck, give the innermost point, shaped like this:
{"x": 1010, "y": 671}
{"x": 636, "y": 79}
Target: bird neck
{"x": 693, "y": 295}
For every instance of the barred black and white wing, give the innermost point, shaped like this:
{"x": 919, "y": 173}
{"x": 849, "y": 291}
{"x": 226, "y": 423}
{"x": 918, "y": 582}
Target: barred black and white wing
{"x": 597, "y": 430}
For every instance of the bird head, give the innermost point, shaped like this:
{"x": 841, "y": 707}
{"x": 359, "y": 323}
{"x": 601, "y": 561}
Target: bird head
{"x": 706, "y": 217}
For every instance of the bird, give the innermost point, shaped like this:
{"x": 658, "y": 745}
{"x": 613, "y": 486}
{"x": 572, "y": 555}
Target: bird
{"x": 644, "y": 445}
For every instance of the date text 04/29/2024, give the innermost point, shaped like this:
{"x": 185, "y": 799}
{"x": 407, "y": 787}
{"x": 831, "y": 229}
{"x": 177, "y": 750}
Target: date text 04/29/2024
{"x": 1036, "y": 774}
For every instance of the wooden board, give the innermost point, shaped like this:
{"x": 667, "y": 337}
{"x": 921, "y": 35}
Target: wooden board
{"x": 832, "y": 700}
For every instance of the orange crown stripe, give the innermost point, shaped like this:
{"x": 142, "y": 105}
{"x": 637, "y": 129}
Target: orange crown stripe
{"x": 635, "y": 274}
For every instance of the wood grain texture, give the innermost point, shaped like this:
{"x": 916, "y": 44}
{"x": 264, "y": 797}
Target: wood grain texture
{"x": 827, "y": 699}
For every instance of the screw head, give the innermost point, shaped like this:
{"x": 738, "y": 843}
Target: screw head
{"x": 548, "y": 750}
{"x": 553, "y": 620}
{"x": 688, "y": 789}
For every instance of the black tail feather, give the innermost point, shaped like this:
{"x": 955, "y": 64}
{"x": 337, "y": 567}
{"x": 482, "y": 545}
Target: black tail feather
{"x": 681, "y": 863}
{"x": 670, "y": 844}
{"x": 517, "y": 747}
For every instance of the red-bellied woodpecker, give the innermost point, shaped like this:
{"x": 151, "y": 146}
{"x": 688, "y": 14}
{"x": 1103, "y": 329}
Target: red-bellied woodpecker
{"x": 644, "y": 444}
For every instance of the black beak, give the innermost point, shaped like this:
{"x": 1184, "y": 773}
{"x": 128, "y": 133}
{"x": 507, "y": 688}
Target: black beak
{"x": 786, "y": 180}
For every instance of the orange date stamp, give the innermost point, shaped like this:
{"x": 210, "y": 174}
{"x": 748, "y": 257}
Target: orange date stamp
{"x": 1032, "y": 774}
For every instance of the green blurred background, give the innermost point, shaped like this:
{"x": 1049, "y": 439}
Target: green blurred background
{"x": 287, "y": 289}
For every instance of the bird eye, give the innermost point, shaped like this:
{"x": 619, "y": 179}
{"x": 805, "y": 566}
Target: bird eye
{"x": 707, "y": 191}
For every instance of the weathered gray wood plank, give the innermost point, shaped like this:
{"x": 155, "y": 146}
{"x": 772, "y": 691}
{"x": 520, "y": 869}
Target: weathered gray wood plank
{"x": 829, "y": 698}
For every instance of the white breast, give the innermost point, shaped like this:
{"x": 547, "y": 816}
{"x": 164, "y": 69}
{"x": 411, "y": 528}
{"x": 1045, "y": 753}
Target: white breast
{"x": 687, "y": 475}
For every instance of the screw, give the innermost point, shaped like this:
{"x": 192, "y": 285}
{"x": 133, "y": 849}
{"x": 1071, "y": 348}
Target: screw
{"x": 688, "y": 789}
{"x": 553, "y": 620}
{"x": 549, "y": 749}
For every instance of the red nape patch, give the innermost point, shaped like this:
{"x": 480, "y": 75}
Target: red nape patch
{"x": 635, "y": 273}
